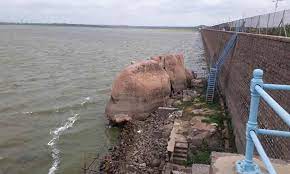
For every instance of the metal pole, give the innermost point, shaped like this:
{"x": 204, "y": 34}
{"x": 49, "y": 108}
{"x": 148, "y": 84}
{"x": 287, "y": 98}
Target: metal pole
{"x": 248, "y": 165}
{"x": 285, "y": 32}
{"x": 268, "y": 23}
{"x": 251, "y": 24}
{"x": 257, "y": 26}
{"x": 262, "y": 153}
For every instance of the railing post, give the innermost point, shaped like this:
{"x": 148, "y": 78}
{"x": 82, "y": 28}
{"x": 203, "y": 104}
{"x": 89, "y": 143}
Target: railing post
{"x": 247, "y": 166}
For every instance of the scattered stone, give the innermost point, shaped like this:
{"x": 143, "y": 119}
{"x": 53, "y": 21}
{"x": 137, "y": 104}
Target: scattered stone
{"x": 143, "y": 165}
{"x": 197, "y": 111}
{"x": 177, "y": 103}
{"x": 155, "y": 163}
{"x": 121, "y": 118}
{"x": 198, "y": 105}
{"x": 197, "y": 83}
{"x": 170, "y": 102}
{"x": 142, "y": 116}
{"x": 202, "y": 112}
{"x": 191, "y": 93}
{"x": 167, "y": 108}
{"x": 143, "y": 150}
{"x": 176, "y": 114}
{"x": 214, "y": 124}
{"x": 186, "y": 98}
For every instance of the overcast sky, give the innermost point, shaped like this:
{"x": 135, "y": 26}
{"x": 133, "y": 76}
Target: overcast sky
{"x": 134, "y": 12}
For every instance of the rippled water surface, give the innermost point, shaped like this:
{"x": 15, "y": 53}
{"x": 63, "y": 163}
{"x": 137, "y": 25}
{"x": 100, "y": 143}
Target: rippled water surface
{"x": 54, "y": 84}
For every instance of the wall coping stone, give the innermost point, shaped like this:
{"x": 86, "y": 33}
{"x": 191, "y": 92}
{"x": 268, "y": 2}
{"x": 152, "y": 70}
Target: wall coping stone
{"x": 263, "y": 36}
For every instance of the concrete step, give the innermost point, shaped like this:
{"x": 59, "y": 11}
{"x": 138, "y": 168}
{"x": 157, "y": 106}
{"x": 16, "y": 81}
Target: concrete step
{"x": 222, "y": 163}
{"x": 181, "y": 172}
{"x": 178, "y": 150}
{"x": 180, "y": 169}
{"x": 179, "y": 160}
{"x": 181, "y": 145}
{"x": 170, "y": 168}
{"x": 200, "y": 169}
{"x": 182, "y": 155}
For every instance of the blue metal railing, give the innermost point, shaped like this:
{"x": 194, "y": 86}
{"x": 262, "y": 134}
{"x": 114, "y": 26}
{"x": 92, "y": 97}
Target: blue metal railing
{"x": 248, "y": 166}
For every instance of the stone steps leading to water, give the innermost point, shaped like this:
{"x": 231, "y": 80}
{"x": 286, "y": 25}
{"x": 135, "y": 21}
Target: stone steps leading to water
{"x": 180, "y": 153}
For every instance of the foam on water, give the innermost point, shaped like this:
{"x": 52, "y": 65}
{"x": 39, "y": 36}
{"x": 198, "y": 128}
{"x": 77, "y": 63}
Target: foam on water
{"x": 56, "y": 133}
{"x": 86, "y": 100}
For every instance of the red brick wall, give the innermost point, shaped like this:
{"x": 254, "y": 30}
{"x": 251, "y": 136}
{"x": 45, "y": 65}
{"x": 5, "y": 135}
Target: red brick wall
{"x": 270, "y": 53}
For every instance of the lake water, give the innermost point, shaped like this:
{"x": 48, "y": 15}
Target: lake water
{"x": 55, "y": 82}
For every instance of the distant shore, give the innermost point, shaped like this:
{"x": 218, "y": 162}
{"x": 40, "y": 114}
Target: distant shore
{"x": 105, "y": 26}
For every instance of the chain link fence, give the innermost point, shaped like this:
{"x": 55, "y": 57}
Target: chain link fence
{"x": 277, "y": 23}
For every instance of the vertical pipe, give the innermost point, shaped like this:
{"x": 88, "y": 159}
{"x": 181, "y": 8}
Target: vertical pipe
{"x": 252, "y": 122}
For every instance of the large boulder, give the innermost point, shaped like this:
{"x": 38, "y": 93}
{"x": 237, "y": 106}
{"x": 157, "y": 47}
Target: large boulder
{"x": 174, "y": 66}
{"x": 140, "y": 88}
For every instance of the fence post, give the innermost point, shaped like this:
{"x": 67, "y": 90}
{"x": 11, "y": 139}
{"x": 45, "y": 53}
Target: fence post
{"x": 268, "y": 23}
{"x": 258, "y": 25}
{"x": 285, "y": 32}
{"x": 247, "y": 165}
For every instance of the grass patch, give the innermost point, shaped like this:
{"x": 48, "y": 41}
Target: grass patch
{"x": 214, "y": 106}
{"x": 184, "y": 105}
{"x": 215, "y": 118}
{"x": 201, "y": 156}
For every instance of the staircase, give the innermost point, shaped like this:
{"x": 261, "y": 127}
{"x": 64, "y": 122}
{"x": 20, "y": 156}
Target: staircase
{"x": 211, "y": 85}
{"x": 216, "y": 68}
{"x": 180, "y": 153}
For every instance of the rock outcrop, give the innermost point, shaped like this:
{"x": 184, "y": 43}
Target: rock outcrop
{"x": 144, "y": 86}
{"x": 180, "y": 78}
{"x": 139, "y": 88}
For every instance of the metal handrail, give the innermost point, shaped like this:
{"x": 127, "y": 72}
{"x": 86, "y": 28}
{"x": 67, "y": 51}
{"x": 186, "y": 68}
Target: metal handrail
{"x": 282, "y": 113}
{"x": 262, "y": 153}
{"x": 247, "y": 165}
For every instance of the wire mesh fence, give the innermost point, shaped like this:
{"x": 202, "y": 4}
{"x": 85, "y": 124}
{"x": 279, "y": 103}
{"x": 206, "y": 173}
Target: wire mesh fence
{"x": 277, "y": 23}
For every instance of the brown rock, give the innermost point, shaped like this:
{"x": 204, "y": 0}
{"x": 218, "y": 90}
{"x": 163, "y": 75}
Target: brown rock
{"x": 155, "y": 163}
{"x": 198, "y": 83}
{"x": 174, "y": 66}
{"x": 170, "y": 102}
{"x": 200, "y": 130}
{"x": 186, "y": 98}
{"x": 177, "y": 103}
{"x": 121, "y": 118}
{"x": 189, "y": 77}
{"x": 139, "y": 88}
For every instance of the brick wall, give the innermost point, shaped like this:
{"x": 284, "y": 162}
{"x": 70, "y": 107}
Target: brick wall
{"x": 270, "y": 53}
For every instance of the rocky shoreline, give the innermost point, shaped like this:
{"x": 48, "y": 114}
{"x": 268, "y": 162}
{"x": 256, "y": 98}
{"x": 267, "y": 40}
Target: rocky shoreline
{"x": 143, "y": 145}
{"x": 166, "y": 125}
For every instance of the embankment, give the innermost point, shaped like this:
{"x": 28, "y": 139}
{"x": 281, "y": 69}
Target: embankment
{"x": 270, "y": 53}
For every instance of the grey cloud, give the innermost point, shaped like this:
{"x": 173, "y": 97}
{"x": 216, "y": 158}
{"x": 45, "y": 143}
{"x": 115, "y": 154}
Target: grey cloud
{"x": 134, "y": 12}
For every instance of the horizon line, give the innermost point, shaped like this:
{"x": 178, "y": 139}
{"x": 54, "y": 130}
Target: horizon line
{"x": 97, "y": 25}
